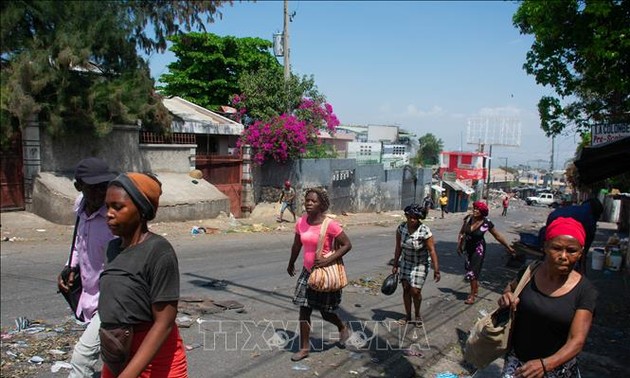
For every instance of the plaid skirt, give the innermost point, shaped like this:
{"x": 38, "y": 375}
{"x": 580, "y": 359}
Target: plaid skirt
{"x": 567, "y": 370}
{"x": 414, "y": 268}
{"x": 307, "y": 297}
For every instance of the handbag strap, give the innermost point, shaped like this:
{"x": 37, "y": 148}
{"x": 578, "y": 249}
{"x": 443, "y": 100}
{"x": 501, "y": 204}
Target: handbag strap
{"x": 322, "y": 235}
{"x": 526, "y": 277}
{"x": 74, "y": 239}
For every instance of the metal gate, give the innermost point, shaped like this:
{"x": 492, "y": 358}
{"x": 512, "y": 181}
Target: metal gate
{"x": 408, "y": 190}
{"x": 341, "y": 193}
{"x": 12, "y": 175}
{"x": 224, "y": 172}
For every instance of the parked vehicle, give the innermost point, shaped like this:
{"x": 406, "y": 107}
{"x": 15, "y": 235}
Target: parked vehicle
{"x": 546, "y": 199}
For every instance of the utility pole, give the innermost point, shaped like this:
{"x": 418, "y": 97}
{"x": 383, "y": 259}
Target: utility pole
{"x": 553, "y": 139}
{"x": 285, "y": 40}
{"x": 489, "y": 169}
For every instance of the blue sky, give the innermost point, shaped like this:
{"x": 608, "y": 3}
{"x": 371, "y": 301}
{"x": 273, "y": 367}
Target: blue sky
{"x": 426, "y": 66}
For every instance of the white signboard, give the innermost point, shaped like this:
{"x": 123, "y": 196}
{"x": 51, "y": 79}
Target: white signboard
{"x": 608, "y": 132}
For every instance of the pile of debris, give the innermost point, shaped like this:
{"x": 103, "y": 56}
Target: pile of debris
{"x": 33, "y": 346}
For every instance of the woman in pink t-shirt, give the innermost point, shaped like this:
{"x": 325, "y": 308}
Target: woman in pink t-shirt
{"x": 307, "y": 231}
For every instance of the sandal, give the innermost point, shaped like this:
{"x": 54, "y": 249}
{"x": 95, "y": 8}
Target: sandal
{"x": 470, "y": 300}
{"x": 418, "y": 322}
{"x": 404, "y": 321}
{"x": 344, "y": 335}
{"x": 299, "y": 356}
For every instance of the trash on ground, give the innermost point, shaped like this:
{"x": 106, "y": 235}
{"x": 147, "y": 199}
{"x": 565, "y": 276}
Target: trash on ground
{"x": 413, "y": 353}
{"x": 36, "y": 360}
{"x": 192, "y": 346}
{"x": 58, "y": 365}
{"x": 300, "y": 367}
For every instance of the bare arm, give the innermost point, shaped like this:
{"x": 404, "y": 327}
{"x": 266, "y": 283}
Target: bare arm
{"x": 499, "y": 237}
{"x": 295, "y": 252}
{"x": 580, "y": 325}
{"x": 397, "y": 251}
{"x": 164, "y": 314}
{"x": 434, "y": 259}
{"x": 460, "y": 237}
{"x": 508, "y": 298}
{"x": 343, "y": 246}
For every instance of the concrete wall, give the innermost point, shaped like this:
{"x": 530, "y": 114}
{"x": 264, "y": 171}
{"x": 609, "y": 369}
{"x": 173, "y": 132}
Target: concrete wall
{"x": 120, "y": 149}
{"x": 351, "y": 187}
{"x": 53, "y": 192}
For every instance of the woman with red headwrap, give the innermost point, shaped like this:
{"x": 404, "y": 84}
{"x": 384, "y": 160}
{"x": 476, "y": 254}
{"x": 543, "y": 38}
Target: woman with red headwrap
{"x": 471, "y": 240}
{"x": 554, "y": 311}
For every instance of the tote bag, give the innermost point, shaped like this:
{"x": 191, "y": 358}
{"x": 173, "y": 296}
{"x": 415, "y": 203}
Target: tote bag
{"x": 331, "y": 277}
{"x": 489, "y": 338}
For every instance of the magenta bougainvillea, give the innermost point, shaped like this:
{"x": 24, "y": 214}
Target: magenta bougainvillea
{"x": 287, "y": 136}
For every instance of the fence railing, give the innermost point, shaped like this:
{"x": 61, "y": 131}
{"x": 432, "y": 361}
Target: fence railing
{"x": 149, "y": 137}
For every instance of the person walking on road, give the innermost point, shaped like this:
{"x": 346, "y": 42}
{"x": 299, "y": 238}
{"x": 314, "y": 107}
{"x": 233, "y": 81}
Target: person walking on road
{"x": 554, "y": 312}
{"x": 139, "y": 285}
{"x": 444, "y": 204}
{"x": 471, "y": 241}
{"x": 307, "y": 232}
{"x": 505, "y": 203}
{"x": 92, "y": 235}
{"x": 287, "y": 199}
{"x": 427, "y": 203}
{"x": 414, "y": 251}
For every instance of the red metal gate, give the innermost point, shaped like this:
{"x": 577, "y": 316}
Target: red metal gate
{"x": 11, "y": 175}
{"x": 224, "y": 172}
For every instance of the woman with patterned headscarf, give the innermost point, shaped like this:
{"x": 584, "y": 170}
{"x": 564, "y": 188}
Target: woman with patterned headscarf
{"x": 414, "y": 251}
{"x": 471, "y": 240}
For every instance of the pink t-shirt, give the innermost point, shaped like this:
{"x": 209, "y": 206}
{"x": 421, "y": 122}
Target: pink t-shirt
{"x": 309, "y": 235}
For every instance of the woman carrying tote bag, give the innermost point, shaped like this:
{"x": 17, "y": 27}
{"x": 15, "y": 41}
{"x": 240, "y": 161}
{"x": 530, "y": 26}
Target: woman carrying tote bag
{"x": 307, "y": 233}
{"x": 554, "y": 311}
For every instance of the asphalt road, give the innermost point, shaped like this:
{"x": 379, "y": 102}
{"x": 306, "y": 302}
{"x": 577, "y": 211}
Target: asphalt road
{"x": 250, "y": 268}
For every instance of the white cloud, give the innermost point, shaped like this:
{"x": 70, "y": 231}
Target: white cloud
{"x": 413, "y": 111}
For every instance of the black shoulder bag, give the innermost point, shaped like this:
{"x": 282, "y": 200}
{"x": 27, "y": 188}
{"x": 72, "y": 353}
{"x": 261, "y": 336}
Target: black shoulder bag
{"x": 73, "y": 295}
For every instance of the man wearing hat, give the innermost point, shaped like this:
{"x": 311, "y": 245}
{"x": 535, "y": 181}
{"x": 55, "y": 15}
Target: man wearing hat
{"x": 92, "y": 175}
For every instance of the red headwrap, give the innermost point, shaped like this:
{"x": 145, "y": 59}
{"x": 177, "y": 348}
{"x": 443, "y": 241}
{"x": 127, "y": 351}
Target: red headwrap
{"x": 482, "y": 207}
{"x": 566, "y": 226}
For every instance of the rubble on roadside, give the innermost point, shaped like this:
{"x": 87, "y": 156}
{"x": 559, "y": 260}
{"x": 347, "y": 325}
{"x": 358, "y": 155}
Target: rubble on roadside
{"x": 34, "y": 346}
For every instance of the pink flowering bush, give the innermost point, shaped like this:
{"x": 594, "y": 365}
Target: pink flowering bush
{"x": 238, "y": 103}
{"x": 288, "y": 136}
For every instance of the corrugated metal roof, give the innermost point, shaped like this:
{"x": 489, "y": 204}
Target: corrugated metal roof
{"x": 191, "y": 118}
{"x": 459, "y": 186}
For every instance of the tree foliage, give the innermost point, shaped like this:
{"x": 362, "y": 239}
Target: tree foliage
{"x": 429, "y": 150}
{"x": 265, "y": 94}
{"x": 209, "y": 67}
{"x": 582, "y": 51}
{"x": 75, "y": 64}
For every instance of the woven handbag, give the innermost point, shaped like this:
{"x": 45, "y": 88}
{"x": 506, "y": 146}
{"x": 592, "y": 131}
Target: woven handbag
{"x": 489, "y": 338}
{"x": 331, "y": 277}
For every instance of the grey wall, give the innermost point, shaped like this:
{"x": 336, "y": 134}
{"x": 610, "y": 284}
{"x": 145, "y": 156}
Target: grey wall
{"x": 120, "y": 149}
{"x": 53, "y": 193}
{"x": 351, "y": 187}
